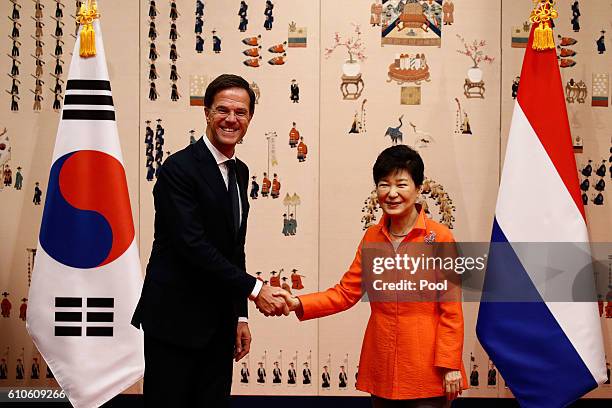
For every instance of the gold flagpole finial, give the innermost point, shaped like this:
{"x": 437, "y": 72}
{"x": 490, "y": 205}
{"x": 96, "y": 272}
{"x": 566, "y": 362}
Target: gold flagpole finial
{"x": 87, "y": 14}
{"x": 542, "y": 14}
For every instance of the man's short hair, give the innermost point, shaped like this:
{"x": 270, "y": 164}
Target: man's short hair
{"x": 226, "y": 81}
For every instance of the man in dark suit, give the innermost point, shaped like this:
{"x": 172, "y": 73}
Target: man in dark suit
{"x": 193, "y": 306}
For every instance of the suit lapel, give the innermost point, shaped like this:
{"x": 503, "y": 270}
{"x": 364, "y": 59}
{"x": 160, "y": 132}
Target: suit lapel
{"x": 212, "y": 176}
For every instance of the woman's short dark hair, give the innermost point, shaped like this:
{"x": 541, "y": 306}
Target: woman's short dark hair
{"x": 226, "y": 81}
{"x": 397, "y": 158}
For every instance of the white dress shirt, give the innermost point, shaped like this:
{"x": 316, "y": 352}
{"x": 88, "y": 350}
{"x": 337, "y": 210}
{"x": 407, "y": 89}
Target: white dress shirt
{"x": 220, "y": 158}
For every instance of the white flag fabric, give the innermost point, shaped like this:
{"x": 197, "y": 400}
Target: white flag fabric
{"x": 87, "y": 277}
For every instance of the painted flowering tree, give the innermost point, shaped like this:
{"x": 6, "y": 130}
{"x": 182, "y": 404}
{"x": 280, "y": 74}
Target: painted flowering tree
{"x": 474, "y": 51}
{"x": 353, "y": 45}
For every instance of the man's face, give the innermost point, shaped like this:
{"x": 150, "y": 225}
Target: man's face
{"x": 228, "y": 118}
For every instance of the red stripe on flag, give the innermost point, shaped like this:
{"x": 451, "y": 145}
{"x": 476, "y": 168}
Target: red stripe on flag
{"x": 542, "y": 99}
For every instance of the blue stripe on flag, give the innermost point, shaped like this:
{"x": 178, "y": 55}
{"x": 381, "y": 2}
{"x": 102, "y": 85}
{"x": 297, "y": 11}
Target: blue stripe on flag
{"x": 530, "y": 349}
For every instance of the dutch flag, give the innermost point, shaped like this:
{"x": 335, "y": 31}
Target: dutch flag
{"x": 548, "y": 348}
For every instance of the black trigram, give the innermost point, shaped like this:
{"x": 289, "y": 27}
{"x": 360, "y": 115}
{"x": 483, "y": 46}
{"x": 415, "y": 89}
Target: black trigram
{"x": 88, "y": 100}
{"x": 71, "y": 319}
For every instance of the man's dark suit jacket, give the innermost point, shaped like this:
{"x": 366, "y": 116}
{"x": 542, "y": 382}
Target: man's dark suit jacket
{"x": 196, "y": 285}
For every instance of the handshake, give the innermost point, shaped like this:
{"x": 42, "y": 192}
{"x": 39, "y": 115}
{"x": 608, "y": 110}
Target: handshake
{"x": 273, "y": 301}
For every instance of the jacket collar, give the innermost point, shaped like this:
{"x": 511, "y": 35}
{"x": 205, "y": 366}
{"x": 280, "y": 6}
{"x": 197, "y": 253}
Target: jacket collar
{"x": 420, "y": 226}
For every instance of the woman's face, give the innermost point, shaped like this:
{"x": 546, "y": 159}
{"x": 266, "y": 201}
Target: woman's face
{"x": 397, "y": 193}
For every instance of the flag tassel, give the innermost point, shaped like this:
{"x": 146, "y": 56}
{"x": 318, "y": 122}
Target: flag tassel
{"x": 88, "y": 41}
{"x": 543, "y": 14}
{"x": 543, "y": 37}
{"x": 86, "y": 17}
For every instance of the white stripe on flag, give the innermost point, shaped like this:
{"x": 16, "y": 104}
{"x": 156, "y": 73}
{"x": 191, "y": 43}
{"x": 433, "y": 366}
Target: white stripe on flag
{"x": 532, "y": 191}
{"x": 88, "y": 92}
{"x": 89, "y": 107}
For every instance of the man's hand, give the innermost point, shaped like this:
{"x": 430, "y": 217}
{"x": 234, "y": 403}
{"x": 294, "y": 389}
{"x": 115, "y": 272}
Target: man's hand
{"x": 452, "y": 384}
{"x": 243, "y": 341}
{"x": 293, "y": 303}
{"x": 270, "y": 303}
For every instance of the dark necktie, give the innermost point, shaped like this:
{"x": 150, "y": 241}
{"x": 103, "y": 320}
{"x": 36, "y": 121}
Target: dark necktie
{"x": 232, "y": 189}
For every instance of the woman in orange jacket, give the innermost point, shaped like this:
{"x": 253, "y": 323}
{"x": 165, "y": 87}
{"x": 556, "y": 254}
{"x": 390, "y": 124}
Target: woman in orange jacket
{"x": 411, "y": 352}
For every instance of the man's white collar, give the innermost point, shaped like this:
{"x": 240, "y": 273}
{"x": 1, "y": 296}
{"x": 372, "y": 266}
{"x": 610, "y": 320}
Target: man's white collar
{"x": 219, "y": 157}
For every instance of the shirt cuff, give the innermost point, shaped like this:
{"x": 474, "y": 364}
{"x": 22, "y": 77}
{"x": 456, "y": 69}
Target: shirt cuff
{"x": 256, "y": 289}
{"x": 243, "y": 320}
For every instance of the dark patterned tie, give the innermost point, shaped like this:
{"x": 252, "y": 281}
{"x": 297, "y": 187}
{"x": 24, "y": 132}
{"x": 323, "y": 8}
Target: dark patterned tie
{"x": 232, "y": 188}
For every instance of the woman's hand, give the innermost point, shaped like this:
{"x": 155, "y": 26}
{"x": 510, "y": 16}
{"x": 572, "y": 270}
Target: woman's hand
{"x": 452, "y": 384}
{"x": 293, "y": 303}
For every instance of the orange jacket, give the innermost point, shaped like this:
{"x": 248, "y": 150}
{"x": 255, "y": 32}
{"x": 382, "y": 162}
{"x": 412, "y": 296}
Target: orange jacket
{"x": 407, "y": 345}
